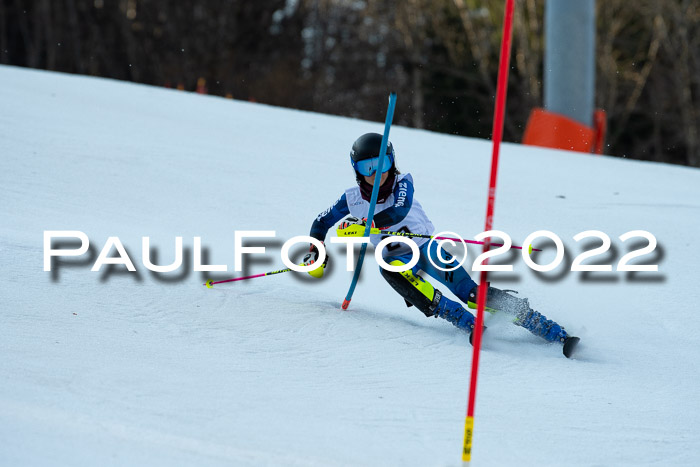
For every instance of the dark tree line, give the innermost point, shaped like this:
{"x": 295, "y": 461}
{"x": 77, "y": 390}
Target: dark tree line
{"x": 342, "y": 57}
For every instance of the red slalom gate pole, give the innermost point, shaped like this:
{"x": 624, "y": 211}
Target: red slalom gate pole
{"x": 498, "y": 118}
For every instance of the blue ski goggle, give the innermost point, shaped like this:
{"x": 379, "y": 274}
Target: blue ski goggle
{"x": 368, "y": 167}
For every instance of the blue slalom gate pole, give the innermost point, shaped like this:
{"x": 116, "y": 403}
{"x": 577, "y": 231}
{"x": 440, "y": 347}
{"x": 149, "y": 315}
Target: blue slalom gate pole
{"x": 373, "y": 200}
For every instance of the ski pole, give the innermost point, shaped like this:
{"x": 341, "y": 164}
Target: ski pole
{"x": 210, "y": 283}
{"x": 409, "y": 234}
{"x": 373, "y": 198}
{"x": 406, "y": 234}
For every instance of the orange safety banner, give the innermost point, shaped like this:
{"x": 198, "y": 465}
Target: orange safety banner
{"x": 553, "y": 130}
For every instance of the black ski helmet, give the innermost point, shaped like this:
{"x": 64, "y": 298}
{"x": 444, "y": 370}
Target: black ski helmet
{"x": 368, "y": 146}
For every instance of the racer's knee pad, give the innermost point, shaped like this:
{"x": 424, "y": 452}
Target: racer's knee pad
{"x": 413, "y": 288}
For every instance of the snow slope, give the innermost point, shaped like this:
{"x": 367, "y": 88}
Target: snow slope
{"x": 119, "y": 368}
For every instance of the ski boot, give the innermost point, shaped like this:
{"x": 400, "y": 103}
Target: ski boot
{"x": 526, "y": 317}
{"x": 455, "y": 314}
{"x": 539, "y": 325}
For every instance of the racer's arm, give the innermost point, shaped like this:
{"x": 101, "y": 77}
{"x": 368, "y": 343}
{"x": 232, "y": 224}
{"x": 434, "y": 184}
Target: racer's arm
{"x": 329, "y": 218}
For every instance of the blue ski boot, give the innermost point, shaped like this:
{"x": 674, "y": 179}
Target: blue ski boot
{"x": 455, "y": 314}
{"x": 536, "y": 323}
{"x": 539, "y": 325}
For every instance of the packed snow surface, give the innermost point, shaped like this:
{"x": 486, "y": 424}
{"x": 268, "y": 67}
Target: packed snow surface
{"x": 142, "y": 368}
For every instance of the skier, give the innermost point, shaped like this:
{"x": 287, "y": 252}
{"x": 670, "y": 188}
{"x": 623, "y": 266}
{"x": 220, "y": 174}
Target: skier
{"x": 398, "y": 210}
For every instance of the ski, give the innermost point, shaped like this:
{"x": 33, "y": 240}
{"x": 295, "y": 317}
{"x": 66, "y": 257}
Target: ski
{"x": 569, "y": 345}
{"x": 471, "y": 334}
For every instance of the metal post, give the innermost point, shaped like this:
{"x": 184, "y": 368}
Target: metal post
{"x": 569, "y": 61}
